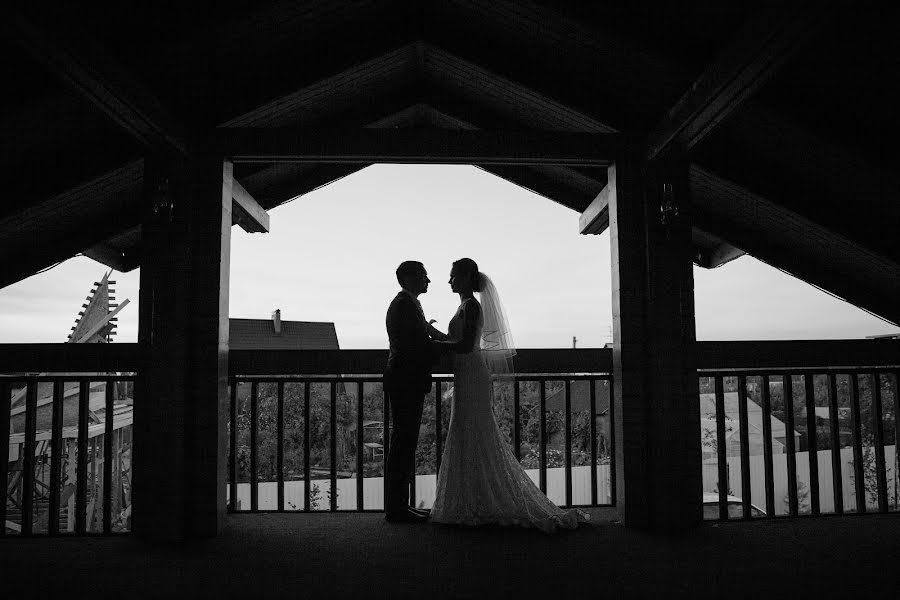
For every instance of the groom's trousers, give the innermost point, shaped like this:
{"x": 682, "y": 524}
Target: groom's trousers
{"x": 406, "y": 416}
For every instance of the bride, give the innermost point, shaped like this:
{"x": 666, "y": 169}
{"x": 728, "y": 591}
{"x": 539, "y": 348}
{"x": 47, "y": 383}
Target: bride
{"x": 480, "y": 481}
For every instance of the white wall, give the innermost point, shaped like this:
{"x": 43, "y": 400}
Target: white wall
{"x": 779, "y": 463}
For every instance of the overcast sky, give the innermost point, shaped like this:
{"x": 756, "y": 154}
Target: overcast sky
{"x": 331, "y": 256}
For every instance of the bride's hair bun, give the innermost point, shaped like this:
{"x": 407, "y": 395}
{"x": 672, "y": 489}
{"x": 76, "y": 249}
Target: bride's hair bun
{"x": 470, "y": 267}
{"x": 478, "y": 285}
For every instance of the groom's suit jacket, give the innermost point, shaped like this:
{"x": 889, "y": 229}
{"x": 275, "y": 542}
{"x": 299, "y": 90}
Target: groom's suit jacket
{"x": 411, "y": 349}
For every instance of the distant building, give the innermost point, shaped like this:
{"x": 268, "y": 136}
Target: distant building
{"x": 708, "y": 427}
{"x": 275, "y": 334}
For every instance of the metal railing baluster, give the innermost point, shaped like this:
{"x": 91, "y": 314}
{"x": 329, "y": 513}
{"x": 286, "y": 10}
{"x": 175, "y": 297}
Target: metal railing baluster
{"x": 543, "y": 421}
{"x": 5, "y": 390}
{"x": 109, "y": 419}
{"x": 612, "y": 439}
{"x": 744, "y": 426}
{"x": 788, "y": 387}
{"x": 232, "y": 459}
{"x": 81, "y": 468}
{"x": 306, "y": 447}
{"x": 55, "y": 456}
{"x": 721, "y": 461}
{"x": 568, "y": 442}
{"x": 254, "y": 427}
{"x": 279, "y": 447}
{"x": 438, "y": 426}
{"x": 812, "y": 441}
{"x": 768, "y": 459}
{"x": 360, "y": 441}
{"x": 28, "y": 448}
{"x": 835, "y": 424}
{"x": 332, "y": 438}
{"x": 593, "y": 409}
{"x": 858, "y": 474}
{"x": 880, "y": 466}
{"x": 517, "y": 425}
{"x": 386, "y": 434}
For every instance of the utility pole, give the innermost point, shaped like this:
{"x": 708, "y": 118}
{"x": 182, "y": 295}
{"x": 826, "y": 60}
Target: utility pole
{"x": 574, "y": 340}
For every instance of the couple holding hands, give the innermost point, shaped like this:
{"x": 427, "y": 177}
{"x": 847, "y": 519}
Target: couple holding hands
{"x": 480, "y": 482}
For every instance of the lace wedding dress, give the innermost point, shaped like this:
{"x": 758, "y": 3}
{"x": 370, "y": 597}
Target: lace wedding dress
{"x": 480, "y": 481}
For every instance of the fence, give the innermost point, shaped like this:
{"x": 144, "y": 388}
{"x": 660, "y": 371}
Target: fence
{"x": 850, "y": 413}
{"x": 326, "y": 434}
{"x": 827, "y": 501}
{"x": 67, "y": 465}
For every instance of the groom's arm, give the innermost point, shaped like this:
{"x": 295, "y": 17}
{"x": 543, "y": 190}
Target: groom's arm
{"x": 402, "y": 325}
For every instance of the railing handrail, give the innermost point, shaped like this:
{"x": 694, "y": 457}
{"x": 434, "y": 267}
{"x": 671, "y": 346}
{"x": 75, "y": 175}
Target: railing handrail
{"x": 70, "y": 358}
{"x": 711, "y": 355}
{"x": 372, "y": 362}
{"x": 797, "y": 354}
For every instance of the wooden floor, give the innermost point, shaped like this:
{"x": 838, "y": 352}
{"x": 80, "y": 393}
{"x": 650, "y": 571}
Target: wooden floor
{"x": 361, "y": 556}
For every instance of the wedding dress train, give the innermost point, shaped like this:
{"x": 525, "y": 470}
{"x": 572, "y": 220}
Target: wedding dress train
{"x": 480, "y": 481}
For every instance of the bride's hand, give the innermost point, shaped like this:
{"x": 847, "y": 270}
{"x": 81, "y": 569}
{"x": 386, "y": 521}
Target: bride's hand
{"x": 435, "y": 333}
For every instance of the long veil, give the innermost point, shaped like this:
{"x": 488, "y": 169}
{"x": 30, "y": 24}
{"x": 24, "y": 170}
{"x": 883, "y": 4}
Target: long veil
{"x": 497, "y": 346}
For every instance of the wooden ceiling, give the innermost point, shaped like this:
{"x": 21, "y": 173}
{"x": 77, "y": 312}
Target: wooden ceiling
{"x": 798, "y": 167}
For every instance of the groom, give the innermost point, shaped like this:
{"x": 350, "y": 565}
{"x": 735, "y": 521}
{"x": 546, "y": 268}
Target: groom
{"x": 407, "y": 378}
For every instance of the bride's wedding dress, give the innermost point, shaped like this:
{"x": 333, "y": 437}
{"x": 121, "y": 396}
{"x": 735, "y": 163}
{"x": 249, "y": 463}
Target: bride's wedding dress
{"x": 480, "y": 481}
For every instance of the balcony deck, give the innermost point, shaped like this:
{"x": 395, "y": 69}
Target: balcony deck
{"x": 359, "y": 555}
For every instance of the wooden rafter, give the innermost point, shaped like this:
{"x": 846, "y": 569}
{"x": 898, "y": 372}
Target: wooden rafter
{"x": 761, "y": 48}
{"x": 595, "y": 218}
{"x": 246, "y": 211}
{"x": 80, "y": 63}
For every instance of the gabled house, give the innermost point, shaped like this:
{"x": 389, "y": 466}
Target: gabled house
{"x": 708, "y": 427}
{"x": 275, "y": 334}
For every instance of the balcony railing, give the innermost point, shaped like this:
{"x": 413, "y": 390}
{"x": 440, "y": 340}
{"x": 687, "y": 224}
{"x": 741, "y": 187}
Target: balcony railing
{"x": 790, "y": 428}
{"x": 310, "y": 442}
{"x": 66, "y": 412}
{"x": 799, "y": 428}
{"x": 68, "y": 461}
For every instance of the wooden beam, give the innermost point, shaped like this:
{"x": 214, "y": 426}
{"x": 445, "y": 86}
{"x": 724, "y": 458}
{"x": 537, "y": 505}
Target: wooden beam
{"x": 417, "y": 146}
{"x": 246, "y": 212}
{"x": 711, "y": 251}
{"x": 762, "y": 47}
{"x": 718, "y": 256}
{"x": 120, "y": 259}
{"x": 793, "y": 243}
{"x": 595, "y": 219}
{"x": 92, "y": 73}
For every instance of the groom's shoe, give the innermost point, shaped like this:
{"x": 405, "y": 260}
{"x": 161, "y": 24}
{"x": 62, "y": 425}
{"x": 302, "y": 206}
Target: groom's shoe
{"x": 404, "y": 515}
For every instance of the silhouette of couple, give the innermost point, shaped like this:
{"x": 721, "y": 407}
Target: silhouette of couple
{"x": 480, "y": 482}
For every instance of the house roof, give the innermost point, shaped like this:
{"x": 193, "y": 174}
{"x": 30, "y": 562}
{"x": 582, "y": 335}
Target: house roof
{"x": 801, "y": 170}
{"x": 580, "y": 397}
{"x": 754, "y": 415}
{"x": 259, "y": 334}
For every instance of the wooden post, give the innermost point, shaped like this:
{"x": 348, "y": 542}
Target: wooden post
{"x": 179, "y": 441}
{"x": 657, "y": 429}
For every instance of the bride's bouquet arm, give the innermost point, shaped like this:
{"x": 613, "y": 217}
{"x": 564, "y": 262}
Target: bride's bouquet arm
{"x": 471, "y": 313}
{"x": 435, "y": 333}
